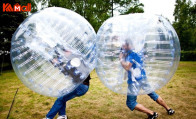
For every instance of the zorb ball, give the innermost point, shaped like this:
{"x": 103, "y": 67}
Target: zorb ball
{"x": 137, "y": 53}
{"x": 53, "y": 51}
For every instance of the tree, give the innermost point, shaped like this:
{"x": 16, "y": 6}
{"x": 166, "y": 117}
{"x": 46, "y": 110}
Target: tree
{"x": 128, "y": 6}
{"x": 97, "y": 11}
{"x": 185, "y": 24}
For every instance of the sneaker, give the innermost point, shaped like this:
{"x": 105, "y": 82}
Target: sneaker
{"x": 62, "y": 117}
{"x": 170, "y": 112}
{"x": 154, "y": 116}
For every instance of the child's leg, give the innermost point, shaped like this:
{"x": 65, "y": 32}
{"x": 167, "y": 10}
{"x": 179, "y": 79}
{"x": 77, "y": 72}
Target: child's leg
{"x": 132, "y": 104}
{"x": 81, "y": 90}
{"x": 60, "y": 104}
{"x": 141, "y": 108}
{"x": 55, "y": 108}
{"x": 62, "y": 110}
{"x": 161, "y": 102}
{"x": 153, "y": 96}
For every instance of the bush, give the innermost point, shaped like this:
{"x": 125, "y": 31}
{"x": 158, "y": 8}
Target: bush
{"x": 188, "y": 56}
{"x": 5, "y": 62}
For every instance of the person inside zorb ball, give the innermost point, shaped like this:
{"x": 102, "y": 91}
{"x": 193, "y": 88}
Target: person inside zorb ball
{"x": 133, "y": 64}
{"x": 53, "y": 51}
{"x": 137, "y": 54}
{"x": 147, "y": 42}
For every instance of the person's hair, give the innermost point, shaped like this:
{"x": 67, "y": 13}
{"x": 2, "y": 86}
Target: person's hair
{"x": 126, "y": 43}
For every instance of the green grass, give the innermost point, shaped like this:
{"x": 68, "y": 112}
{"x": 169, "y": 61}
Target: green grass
{"x": 99, "y": 102}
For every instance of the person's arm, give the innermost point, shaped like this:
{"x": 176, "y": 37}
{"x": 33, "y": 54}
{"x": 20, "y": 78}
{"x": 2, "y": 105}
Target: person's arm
{"x": 125, "y": 65}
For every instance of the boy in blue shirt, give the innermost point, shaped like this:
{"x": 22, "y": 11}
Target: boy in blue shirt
{"x": 133, "y": 64}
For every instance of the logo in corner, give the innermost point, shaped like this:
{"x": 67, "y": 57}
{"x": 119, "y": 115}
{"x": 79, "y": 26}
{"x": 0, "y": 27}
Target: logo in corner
{"x": 7, "y": 7}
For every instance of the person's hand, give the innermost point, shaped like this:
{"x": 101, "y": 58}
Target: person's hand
{"x": 67, "y": 53}
{"x": 121, "y": 56}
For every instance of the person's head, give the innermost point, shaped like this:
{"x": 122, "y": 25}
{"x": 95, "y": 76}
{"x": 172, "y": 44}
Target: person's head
{"x": 126, "y": 45}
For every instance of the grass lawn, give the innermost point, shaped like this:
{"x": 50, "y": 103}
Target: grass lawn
{"x": 99, "y": 102}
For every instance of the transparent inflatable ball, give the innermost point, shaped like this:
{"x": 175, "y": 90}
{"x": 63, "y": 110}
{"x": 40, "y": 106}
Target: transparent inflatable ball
{"x": 53, "y": 51}
{"x": 137, "y": 53}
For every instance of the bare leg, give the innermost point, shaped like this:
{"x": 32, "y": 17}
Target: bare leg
{"x": 141, "y": 108}
{"x": 161, "y": 102}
